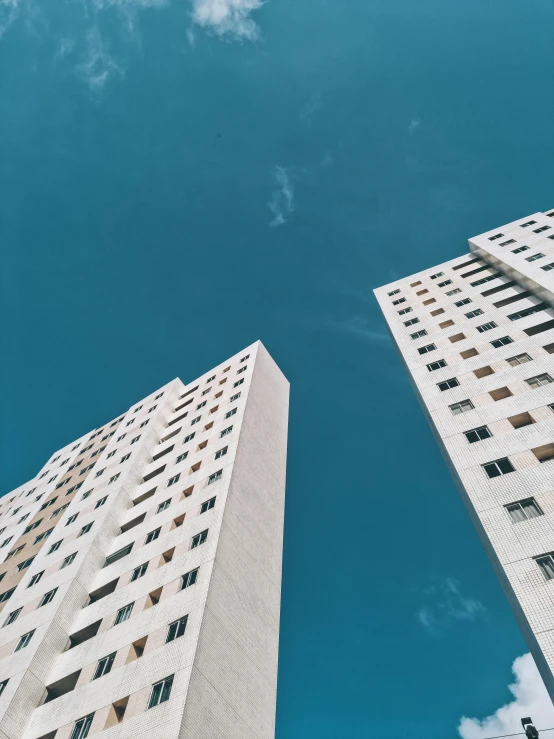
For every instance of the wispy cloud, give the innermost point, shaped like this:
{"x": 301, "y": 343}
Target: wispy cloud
{"x": 8, "y": 13}
{"x": 530, "y": 699}
{"x": 360, "y": 328}
{"x": 415, "y": 123}
{"x": 97, "y": 65}
{"x": 228, "y": 18}
{"x": 281, "y": 204}
{"x": 445, "y": 604}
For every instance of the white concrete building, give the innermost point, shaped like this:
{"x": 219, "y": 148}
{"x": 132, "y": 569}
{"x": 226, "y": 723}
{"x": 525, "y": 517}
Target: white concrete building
{"x": 141, "y": 569}
{"x": 476, "y": 335}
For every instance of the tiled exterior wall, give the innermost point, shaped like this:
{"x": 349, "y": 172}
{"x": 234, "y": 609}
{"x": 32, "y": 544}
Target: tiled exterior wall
{"x": 500, "y": 284}
{"x": 230, "y": 644}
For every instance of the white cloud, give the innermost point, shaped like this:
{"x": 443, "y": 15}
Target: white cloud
{"x": 97, "y": 65}
{"x": 282, "y": 200}
{"x": 230, "y": 18}
{"x": 445, "y": 604}
{"x": 415, "y": 123}
{"x": 530, "y": 699}
{"x": 8, "y": 13}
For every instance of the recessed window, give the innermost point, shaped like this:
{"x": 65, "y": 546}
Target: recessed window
{"x": 195, "y": 420}
{"x": 524, "y": 509}
{"x": 160, "y": 692}
{"x": 230, "y": 413}
{"x": 189, "y": 579}
{"x": 528, "y": 311}
{"x": 226, "y": 431}
{"x": 47, "y": 597}
{"x": 139, "y": 572}
{"x": 500, "y": 393}
{"x": 123, "y": 552}
{"x": 104, "y": 666}
{"x": 521, "y": 419}
{"x": 429, "y": 301}
{"x": 462, "y": 407}
{"x": 207, "y": 505}
{"x": 173, "y": 480}
{"x": 539, "y": 381}
{"x": 24, "y": 640}
{"x": 456, "y": 337}
{"x": 152, "y": 535}
{"x": 199, "y": 539}
{"x": 6, "y": 595}
{"x": 68, "y": 560}
{"x": 486, "y": 327}
{"x": 71, "y": 519}
{"x": 497, "y": 343}
{"x": 483, "y": 372}
{"x": 54, "y": 547}
{"x": 176, "y": 629}
{"x": 35, "y": 578}
{"x": 448, "y": 384}
{"x": 234, "y": 397}
{"x": 436, "y": 365}
{"x": 82, "y": 727}
{"x": 189, "y": 437}
{"x": 221, "y": 452}
{"x": 478, "y": 434}
{"x": 123, "y": 614}
{"x": 498, "y": 467}
{"x": 422, "y": 292}
{"x": 473, "y": 313}
{"x": 426, "y": 349}
{"x": 446, "y": 324}
{"x": 544, "y": 453}
{"x": 11, "y": 618}
{"x": 85, "y": 529}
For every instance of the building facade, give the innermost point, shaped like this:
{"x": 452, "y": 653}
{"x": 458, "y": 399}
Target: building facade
{"x": 476, "y": 336}
{"x": 141, "y": 569}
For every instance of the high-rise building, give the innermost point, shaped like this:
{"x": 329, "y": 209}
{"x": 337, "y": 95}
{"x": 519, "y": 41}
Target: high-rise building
{"x": 476, "y": 335}
{"x": 141, "y": 569}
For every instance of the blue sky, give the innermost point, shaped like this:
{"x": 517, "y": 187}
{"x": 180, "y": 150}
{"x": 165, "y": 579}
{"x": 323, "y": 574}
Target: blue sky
{"x": 177, "y": 183}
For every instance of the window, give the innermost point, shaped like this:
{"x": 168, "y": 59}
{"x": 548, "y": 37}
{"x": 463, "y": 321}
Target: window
{"x": 215, "y": 477}
{"x": 523, "y": 510}
{"x": 548, "y": 267}
{"x": 124, "y": 458}
{"x": 181, "y": 457}
{"x": 47, "y": 597}
{"x": 498, "y": 467}
{"x": 35, "y": 579}
{"x": 86, "y": 495}
{"x": 448, "y": 384}
{"x": 111, "y": 454}
{"x": 486, "y": 327}
{"x": 23, "y": 565}
{"x": 201, "y": 405}
{"x": 519, "y": 359}
{"x": 394, "y": 292}
{"x": 59, "y": 510}
{"x": 520, "y": 249}
{"x": 528, "y": 311}
{"x": 528, "y": 223}
{"x": 104, "y": 666}
{"x": 419, "y": 334}
{"x": 99, "y": 472}
{"x": 453, "y": 292}
{"x": 152, "y": 409}
{"x": 400, "y": 300}
{"x": 445, "y": 283}
{"x": 465, "y": 301}
{"x": 173, "y": 480}
{"x": 123, "y": 614}
{"x": 242, "y": 369}
{"x": 176, "y": 629}
{"x": 160, "y": 692}
{"x": 68, "y": 560}
{"x": 426, "y": 349}
{"x": 234, "y": 397}
{"x": 139, "y": 572}
{"x": 539, "y": 380}
{"x": 55, "y": 546}
{"x": 486, "y": 279}
{"x": 164, "y": 505}
{"x": 74, "y": 488}
{"x": 411, "y": 322}
{"x": 510, "y": 241}
{"x": 24, "y": 640}
{"x": 230, "y": 413}
{"x": 71, "y": 519}
{"x": 199, "y": 539}
{"x": 189, "y": 579}
{"x": 542, "y": 228}
{"x": 152, "y": 535}
{"x": 221, "y": 452}
{"x": 465, "y": 405}
{"x": 226, "y": 431}
{"x": 404, "y": 311}
{"x": 144, "y": 423}
{"x": 11, "y": 618}
{"x": 118, "y": 555}
{"x": 238, "y": 382}
{"x": 6, "y": 595}
{"x": 189, "y": 437}
{"x": 207, "y": 505}
{"x": 134, "y": 441}
{"x": 496, "y": 236}
{"x": 6, "y": 541}
{"x": 82, "y": 727}
{"x": 473, "y": 313}
{"x": 195, "y": 420}
{"x": 14, "y": 551}
{"x": 497, "y": 343}
{"x": 120, "y": 438}
{"x": 48, "y": 503}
